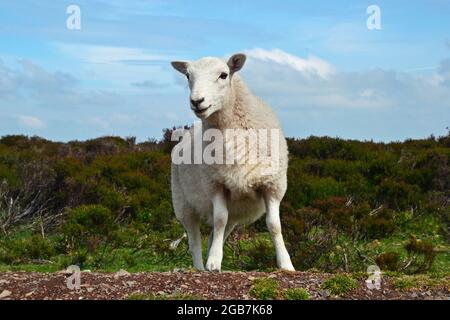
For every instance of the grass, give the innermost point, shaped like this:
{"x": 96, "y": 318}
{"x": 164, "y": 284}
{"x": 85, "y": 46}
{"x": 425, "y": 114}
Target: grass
{"x": 415, "y": 282}
{"x": 112, "y": 259}
{"x": 340, "y": 284}
{"x": 296, "y": 294}
{"x": 30, "y": 267}
{"x": 264, "y": 289}
{"x": 20, "y": 251}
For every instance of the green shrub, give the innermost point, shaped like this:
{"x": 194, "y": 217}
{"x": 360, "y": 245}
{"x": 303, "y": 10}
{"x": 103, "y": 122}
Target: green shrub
{"x": 264, "y": 289}
{"x": 419, "y": 282}
{"x": 424, "y": 253}
{"x": 112, "y": 198}
{"x": 296, "y": 294}
{"x": 340, "y": 284}
{"x": 78, "y": 256}
{"x": 157, "y": 216}
{"x": 324, "y": 188}
{"x": 378, "y": 225}
{"x": 309, "y": 236}
{"x": 388, "y": 261}
{"x": 88, "y": 226}
{"x": 26, "y": 248}
{"x": 328, "y": 214}
{"x": 397, "y": 194}
{"x": 261, "y": 256}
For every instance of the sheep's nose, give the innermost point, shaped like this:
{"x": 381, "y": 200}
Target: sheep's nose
{"x": 197, "y": 102}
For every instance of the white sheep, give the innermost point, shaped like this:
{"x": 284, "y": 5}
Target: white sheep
{"x": 227, "y": 195}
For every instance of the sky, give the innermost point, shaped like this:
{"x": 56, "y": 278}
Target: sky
{"x": 318, "y": 65}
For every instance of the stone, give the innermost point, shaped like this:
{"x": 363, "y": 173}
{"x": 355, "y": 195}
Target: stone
{"x": 121, "y": 273}
{"x": 5, "y": 294}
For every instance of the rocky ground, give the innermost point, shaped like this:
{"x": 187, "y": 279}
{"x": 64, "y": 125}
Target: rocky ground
{"x": 205, "y": 285}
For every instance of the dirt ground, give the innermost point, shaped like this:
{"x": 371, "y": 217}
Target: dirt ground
{"x": 225, "y": 285}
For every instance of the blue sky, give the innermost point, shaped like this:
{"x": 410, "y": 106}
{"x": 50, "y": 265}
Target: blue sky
{"x": 315, "y": 62}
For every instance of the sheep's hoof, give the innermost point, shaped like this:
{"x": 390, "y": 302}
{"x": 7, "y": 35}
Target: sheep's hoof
{"x": 213, "y": 265}
{"x": 199, "y": 268}
{"x": 287, "y": 266}
{"x": 288, "y": 269}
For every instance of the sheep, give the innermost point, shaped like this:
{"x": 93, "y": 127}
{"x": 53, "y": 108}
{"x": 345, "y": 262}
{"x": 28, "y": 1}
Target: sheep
{"x": 227, "y": 195}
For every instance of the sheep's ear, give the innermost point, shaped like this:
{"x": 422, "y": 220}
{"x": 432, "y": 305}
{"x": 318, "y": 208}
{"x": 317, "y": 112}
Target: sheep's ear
{"x": 180, "y": 66}
{"x": 236, "y": 62}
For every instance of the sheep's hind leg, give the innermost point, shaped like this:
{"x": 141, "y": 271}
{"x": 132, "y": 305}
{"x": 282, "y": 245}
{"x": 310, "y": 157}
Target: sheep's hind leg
{"x": 220, "y": 218}
{"x": 192, "y": 225}
{"x": 274, "y": 226}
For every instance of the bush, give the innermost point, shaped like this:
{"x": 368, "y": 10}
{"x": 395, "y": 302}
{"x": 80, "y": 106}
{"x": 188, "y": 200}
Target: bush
{"x": 26, "y": 248}
{"x": 378, "y": 225}
{"x": 421, "y": 253}
{"x": 314, "y": 233}
{"x": 388, "y": 261}
{"x": 309, "y": 236}
{"x": 157, "y": 217}
{"x": 419, "y": 282}
{"x": 340, "y": 284}
{"x": 88, "y": 226}
{"x": 296, "y": 294}
{"x": 397, "y": 194}
{"x": 261, "y": 256}
{"x": 328, "y": 213}
{"x": 264, "y": 289}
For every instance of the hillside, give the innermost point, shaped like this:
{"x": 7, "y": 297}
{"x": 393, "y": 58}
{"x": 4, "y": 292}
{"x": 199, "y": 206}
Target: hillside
{"x": 104, "y": 204}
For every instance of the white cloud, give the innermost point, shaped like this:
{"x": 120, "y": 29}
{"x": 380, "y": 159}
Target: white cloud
{"x": 278, "y": 79}
{"x": 377, "y": 103}
{"x": 148, "y": 84}
{"x": 29, "y": 79}
{"x": 31, "y": 122}
{"x": 29, "y": 84}
{"x": 309, "y": 66}
{"x": 367, "y": 93}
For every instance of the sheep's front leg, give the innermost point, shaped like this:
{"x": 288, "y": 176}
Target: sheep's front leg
{"x": 228, "y": 230}
{"x": 274, "y": 226}
{"x": 192, "y": 225}
{"x": 220, "y": 218}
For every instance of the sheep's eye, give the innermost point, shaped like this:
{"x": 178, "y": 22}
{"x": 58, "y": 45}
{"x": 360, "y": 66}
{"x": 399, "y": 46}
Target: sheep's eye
{"x": 223, "y": 75}
{"x": 187, "y": 76}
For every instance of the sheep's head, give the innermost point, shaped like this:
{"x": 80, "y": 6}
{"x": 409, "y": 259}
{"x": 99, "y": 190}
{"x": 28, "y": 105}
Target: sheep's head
{"x": 210, "y": 82}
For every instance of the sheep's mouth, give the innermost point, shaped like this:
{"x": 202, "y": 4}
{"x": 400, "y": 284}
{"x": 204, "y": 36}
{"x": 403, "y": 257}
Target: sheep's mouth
{"x": 201, "y": 112}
